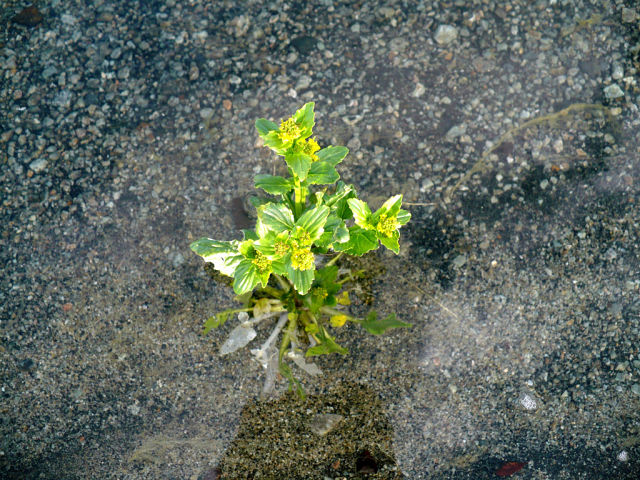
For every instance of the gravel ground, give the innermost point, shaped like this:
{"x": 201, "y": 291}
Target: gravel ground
{"x": 127, "y": 132}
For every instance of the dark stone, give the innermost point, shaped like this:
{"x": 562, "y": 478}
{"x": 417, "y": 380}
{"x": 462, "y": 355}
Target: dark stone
{"x": 304, "y": 44}
{"x": 26, "y": 364}
{"x": 29, "y": 17}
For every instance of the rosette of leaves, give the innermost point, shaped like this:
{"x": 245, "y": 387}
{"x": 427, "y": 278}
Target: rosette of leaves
{"x": 310, "y": 214}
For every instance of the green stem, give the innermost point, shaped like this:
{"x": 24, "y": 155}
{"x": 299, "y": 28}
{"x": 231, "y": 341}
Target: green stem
{"x": 283, "y": 283}
{"x": 350, "y": 277}
{"x": 300, "y": 197}
{"x": 334, "y": 259}
{"x": 274, "y": 292}
{"x": 334, "y": 311}
{"x": 286, "y": 339}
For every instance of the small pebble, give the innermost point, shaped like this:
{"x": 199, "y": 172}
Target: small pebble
{"x": 323, "y": 423}
{"x": 445, "y": 34}
{"x": 528, "y": 402}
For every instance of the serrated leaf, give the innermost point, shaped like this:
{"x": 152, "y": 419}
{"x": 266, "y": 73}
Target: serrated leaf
{"x": 224, "y": 255}
{"x": 301, "y": 279}
{"x": 360, "y": 242}
{"x": 377, "y": 327}
{"x": 207, "y": 246}
{"x": 342, "y": 191}
{"x": 322, "y": 173}
{"x": 391, "y": 207}
{"x": 341, "y": 233}
{"x": 333, "y": 155}
{"x": 249, "y": 235}
{"x": 245, "y": 278}
{"x": 313, "y": 221}
{"x": 361, "y": 212}
{"x": 217, "y": 320}
{"x": 299, "y": 163}
{"x": 403, "y": 217}
{"x": 326, "y": 276}
{"x": 326, "y": 346}
{"x": 273, "y": 184}
{"x": 273, "y": 141}
{"x": 305, "y": 118}
{"x": 265, "y": 126}
{"x": 390, "y": 242}
{"x": 276, "y": 217}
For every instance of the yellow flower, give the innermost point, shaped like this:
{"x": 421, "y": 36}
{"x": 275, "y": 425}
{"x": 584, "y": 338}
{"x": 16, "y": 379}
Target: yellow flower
{"x": 308, "y": 147}
{"x": 302, "y": 259}
{"x": 338, "y": 320}
{"x": 387, "y": 225}
{"x": 289, "y": 130}
{"x": 262, "y": 263}
{"x": 280, "y": 248}
{"x": 302, "y": 238}
{"x": 320, "y": 292}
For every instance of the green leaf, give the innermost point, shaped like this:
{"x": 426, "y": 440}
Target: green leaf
{"x": 273, "y": 184}
{"x": 276, "y": 217}
{"x": 327, "y": 345}
{"x": 403, "y": 217}
{"x": 333, "y": 155}
{"x": 257, "y": 202}
{"x": 217, "y": 320}
{"x": 377, "y": 327}
{"x": 313, "y": 221}
{"x": 206, "y": 247}
{"x": 322, "y": 173}
{"x": 246, "y": 277}
{"x": 360, "y": 242}
{"x": 391, "y": 207}
{"x": 301, "y": 279}
{"x": 273, "y": 141}
{"x": 342, "y": 191}
{"x": 341, "y": 234}
{"x": 279, "y": 267}
{"x": 249, "y": 235}
{"x": 390, "y": 242}
{"x": 299, "y": 163}
{"x": 326, "y": 276}
{"x": 224, "y": 255}
{"x": 285, "y": 371}
{"x": 361, "y": 212}
{"x": 265, "y": 126}
{"x": 305, "y": 119}
{"x": 265, "y": 244}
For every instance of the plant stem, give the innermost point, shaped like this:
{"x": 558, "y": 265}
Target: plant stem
{"x": 274, "y": 292}
{"x": 283, "y": 283}
{"x": 334, "y": 260}
{"x": 300, "y": 197}
{"x": 335, "y": 311}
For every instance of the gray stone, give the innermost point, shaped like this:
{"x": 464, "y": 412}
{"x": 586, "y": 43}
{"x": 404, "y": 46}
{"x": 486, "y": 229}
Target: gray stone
{"x": 628, "y": 15}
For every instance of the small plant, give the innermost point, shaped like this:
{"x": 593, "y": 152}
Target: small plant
{"x": 286, "y": 267}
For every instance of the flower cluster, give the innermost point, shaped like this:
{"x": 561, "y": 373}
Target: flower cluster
{"x": 276, "y": 261}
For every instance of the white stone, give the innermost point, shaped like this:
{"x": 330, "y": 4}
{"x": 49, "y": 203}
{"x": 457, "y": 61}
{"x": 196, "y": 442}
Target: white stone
{"x": 238, "y": 338}
{"x": 38, "y": 165}
{"x": 528, "y": 402}
{"x": 445, "y": 34}
{"x": 419, "y": 90}
{"x": 613, "y": 91}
